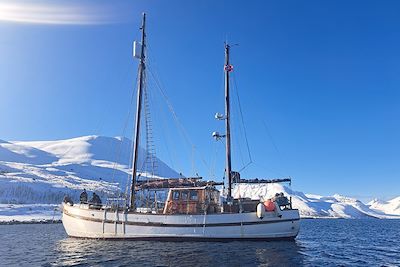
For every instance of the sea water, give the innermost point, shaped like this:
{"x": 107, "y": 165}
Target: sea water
{"x": 321, "y": 242}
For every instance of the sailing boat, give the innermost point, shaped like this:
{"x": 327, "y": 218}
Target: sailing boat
{"x": 193, "y": 209}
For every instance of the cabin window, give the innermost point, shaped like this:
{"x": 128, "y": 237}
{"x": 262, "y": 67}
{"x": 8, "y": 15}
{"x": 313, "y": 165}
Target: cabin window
{"x": 184, "y": 195}
{"x": 175, "y": 195}
{"x": 193, "y": 195}
{"x": 208, "y": 195}
{"x": 215, "y": 196}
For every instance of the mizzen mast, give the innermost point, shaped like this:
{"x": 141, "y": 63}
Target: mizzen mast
{"x": 227, "y": 117}
{"x": 142, "y": 67}
{"x": 228, "y": 68}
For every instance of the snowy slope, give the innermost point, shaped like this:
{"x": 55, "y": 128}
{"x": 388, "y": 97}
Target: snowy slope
{"x": 388, "y": 207}
{"x": 44, "y": 171}
{"x": 309, "y": 205}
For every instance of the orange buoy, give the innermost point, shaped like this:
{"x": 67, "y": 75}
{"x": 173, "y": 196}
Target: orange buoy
{"x": 269, "y": 205}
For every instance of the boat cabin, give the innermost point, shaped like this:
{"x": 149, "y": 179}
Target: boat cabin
{"x": 192, "y": 200}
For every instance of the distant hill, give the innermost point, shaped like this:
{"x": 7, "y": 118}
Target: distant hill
{"x": 44, "y": 171}
{"x": 388, "y": 207}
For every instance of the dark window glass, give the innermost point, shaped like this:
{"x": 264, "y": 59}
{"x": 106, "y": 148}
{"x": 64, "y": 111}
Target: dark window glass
{"x": 184, "y": 195}
{"x": 175, "y": 195}
{"x": 193, "y": 195}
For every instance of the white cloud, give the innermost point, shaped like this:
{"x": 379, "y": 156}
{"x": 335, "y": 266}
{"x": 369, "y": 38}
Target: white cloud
{"x": 57, "y": 12}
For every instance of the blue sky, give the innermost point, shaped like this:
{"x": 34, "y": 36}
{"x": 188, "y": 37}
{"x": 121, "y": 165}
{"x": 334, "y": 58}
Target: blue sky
{"x": 318, "y": 83}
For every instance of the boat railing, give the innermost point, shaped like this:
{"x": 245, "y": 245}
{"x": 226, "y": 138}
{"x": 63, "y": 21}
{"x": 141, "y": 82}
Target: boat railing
{"x": 262, "y": 181}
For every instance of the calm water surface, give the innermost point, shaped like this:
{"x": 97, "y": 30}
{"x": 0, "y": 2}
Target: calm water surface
{"x": 320, "y": 243}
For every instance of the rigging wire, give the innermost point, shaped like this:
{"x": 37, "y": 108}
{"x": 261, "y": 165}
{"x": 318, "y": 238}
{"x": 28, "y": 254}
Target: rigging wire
{"x": 273, "y": 141}
{"x": 175, "y": 116}
{"x": 177, "y": 121}
{"x": 144, "y": 166}
{"x": 150, "y": 147}
{"x": 271, "y": 170}
{"x": 172, "y": 156}
{"x": 271, "y": 138}
{"x": 132, "y": 94}
{"x": 165, "y": 131}
{"x": 120, "y": 148}
{"x": 128, "y": 117}
{"x": 237, "y": 131}
{"x": 243, "y": 123}
{"x": 212, "y": 168}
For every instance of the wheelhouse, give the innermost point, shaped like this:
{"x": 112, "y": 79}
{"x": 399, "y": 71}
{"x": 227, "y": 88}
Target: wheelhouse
{"x": 192, "y": 200}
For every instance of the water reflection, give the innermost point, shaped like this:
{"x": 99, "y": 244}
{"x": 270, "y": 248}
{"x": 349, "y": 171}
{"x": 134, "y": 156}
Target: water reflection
{"x": 320, "y": 243}
{"x": 72, "y": 251}
{"x": 280, "y": 254}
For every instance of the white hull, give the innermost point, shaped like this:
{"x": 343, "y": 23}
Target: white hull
{"x": 79, "y": 221}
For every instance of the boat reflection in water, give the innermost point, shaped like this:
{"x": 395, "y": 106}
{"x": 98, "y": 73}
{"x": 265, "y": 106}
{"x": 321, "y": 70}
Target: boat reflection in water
{"x": 73, "y": 251}
{"x": 76, "y": 251}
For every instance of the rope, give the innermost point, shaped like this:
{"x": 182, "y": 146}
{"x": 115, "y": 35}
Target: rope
{"x": 175, "y": 116}
{"x": 164, "y": 126}
{"x": 271, "y": 138}
{"x": 213, "y": 161}
{"x": 119, "y": 149}
{"x": 165, "y": 131}
{"x": 244, "y": 126}
{"x": 273, "y": 141}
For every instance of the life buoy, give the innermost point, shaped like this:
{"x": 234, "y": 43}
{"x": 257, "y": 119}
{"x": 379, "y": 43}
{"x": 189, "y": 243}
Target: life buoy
{"x": 269, "y": 205}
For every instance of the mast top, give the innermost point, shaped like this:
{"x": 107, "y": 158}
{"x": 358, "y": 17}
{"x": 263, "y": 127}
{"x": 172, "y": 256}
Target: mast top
{"x": 143, "y": 18}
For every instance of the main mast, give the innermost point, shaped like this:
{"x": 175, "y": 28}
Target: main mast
{"x": 228, "y": 68}
{"x": 141, "y": 71}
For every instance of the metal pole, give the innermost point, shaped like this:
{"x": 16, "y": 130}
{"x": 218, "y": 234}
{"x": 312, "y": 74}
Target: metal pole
{"x": 142, "y": 67}
{"x": 228, "y": 68}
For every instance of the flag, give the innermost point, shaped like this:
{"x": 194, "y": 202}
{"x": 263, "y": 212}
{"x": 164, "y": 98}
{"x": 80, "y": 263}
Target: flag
{"x": 228, "y": 68}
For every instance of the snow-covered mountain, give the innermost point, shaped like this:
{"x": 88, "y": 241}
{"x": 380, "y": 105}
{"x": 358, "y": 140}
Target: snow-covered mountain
{"x": 44, "y": 171}
{"x": 315, "y": 206}
{"x": 387, "y": 207}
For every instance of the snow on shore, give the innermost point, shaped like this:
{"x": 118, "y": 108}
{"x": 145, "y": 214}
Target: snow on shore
{"x": 29, "y": 212}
